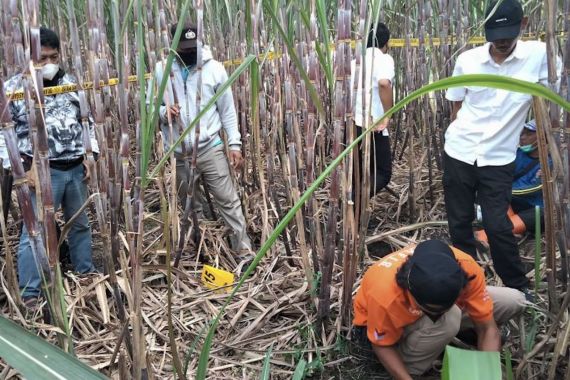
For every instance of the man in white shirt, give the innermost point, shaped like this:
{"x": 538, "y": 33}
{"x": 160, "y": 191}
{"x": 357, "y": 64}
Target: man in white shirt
{"x": 379, "y": 67}
{"x": 481, "y": 142}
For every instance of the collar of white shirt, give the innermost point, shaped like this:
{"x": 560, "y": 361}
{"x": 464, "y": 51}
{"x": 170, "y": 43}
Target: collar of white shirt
{"x": 519, "y": 53}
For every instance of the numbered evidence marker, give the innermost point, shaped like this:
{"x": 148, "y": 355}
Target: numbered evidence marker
{"x": 214, "y": 278}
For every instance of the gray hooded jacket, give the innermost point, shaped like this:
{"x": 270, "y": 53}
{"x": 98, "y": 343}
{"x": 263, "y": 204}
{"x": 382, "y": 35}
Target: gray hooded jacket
{"x": 222, "y": 115}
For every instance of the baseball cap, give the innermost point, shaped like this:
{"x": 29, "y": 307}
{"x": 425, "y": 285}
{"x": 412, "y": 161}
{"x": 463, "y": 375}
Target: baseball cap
{"x": 531, "y": 125}
{"x": 188, "y": 38}
{"x": 505, "y": 22}
{"x": 435, "y": 277}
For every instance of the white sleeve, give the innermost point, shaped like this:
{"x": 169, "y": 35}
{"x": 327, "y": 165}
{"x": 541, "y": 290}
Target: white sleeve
{"x": 384, "y": 68}
{"x": 543, "y": 76}
{"x": 4, "y": 152}
{"x": 92, "y": 136}
{"x": 456, "y": 94}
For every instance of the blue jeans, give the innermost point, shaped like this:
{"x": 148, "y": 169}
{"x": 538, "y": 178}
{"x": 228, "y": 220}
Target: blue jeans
{"x": 70, "y": 192}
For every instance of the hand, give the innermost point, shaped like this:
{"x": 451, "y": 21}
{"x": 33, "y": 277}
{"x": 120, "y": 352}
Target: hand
{"x": 382, "y": 125}
{"x": 173, "y": 110}
{"x": 87, "y": 170}
{"x": 236, "y": 159}
{"x": 31, "y": 177}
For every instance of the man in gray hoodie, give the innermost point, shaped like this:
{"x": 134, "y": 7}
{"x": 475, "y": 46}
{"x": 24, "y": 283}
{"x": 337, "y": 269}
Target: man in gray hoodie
{"x": 180, "y": 106}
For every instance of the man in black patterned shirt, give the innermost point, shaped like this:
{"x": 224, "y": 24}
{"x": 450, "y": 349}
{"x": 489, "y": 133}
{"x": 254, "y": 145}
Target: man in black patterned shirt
{"x": 66, "y": 156}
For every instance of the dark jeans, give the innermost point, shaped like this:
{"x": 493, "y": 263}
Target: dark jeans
{"x": 380, "y": 161}
{"x": 491, "y": 186}
{"x": 70, "y": 192}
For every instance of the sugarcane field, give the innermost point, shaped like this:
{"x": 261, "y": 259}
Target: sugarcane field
{"x": 284, "y": 189}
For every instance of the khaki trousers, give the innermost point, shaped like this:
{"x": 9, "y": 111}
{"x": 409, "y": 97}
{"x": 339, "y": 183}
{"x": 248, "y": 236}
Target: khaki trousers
{"x": 213, "y": 168}
{"x": 424, "y": 340}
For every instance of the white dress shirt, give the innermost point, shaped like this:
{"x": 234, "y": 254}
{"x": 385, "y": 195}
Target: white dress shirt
{"x": 378, "y": 66}
{"x": 490, "y": 120}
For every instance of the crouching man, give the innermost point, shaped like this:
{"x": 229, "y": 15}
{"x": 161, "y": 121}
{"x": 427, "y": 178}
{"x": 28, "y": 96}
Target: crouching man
{"x": 413, "y": 302}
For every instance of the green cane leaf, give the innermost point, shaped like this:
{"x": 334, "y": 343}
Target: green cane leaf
{"x": 266, "y": 369}
{"x": 35, "y": 358}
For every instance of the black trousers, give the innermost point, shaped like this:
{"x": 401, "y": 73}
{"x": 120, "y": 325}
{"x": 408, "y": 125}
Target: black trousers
{"x": 527, "y": 214}
{"x": 463, "y": 184}
{"x": 380, "y": 161}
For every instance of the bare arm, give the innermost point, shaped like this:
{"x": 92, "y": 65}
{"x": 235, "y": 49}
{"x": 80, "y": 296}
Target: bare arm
{"x": 387, "y": 100}
{"x": 386, "y": 94}
{"x": 392, "y": 361}
{"x": 455, "y": 107}
{"x": 488, "y": 336}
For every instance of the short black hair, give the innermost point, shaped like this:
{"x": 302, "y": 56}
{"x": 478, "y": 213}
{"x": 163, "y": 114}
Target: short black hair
{"x": 403, "y": 273}
{"x": 379, "y": 36}
{"x": 49, "y": 38}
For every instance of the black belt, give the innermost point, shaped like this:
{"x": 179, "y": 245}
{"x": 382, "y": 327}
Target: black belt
{"x": 65, "y": 165}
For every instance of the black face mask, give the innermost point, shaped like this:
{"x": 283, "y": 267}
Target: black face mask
{"x": 189, "y": 58}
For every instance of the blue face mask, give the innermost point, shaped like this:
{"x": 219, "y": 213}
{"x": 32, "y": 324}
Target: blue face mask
{"x": 528, "y": 148}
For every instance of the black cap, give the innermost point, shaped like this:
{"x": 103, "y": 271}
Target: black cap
{"x": 435, "y": 277}
{"x": 505, "y": 22}
{"x": 188, "y": 38}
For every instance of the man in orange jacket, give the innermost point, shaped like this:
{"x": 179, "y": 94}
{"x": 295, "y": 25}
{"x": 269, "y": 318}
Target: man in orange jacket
{"x": 413, "y": 302}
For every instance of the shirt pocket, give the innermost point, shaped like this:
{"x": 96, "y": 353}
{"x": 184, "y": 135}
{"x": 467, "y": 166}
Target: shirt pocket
{"x": 480, "y": 97}
{"x": 519, "y": 97}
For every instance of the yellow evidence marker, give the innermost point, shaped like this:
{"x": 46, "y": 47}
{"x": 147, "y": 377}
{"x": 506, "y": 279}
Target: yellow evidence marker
{"x": 214, "y": 278}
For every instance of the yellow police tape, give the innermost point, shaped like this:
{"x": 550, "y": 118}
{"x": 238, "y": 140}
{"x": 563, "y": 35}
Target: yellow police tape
{"x": 394, "y": 43}
{"x": 56, "y": 90}
{"x": 214, "y": 278}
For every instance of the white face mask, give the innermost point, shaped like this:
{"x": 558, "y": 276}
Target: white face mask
{"x": 49, "y": 70}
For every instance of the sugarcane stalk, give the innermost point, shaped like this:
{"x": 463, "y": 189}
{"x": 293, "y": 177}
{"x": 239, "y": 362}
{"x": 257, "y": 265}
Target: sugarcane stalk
{"x": 168, "y": 246}
{"x": 136, "y": 211}
{"x": 292, "y": 162}
{"x": 4, "y": 208}
{"x": 191, "y": 156}
{"x": 256, "y": 93}
{"x": 565, "y": 196}
{"x": 46, "y": 212}
{"x": 357, "y": 209}
{"x": 116, "y": 141}
{"x": 22, "y": 189}
{"x": 314, "y": 225}
{"x": 33, "y": 90}
{"x": 548, "y": 194}
{"x": 271, "y": 138}
{"x": 551, "y": 8}
{"x": 410, "y": 133}
{"x": 339, "y": 123}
